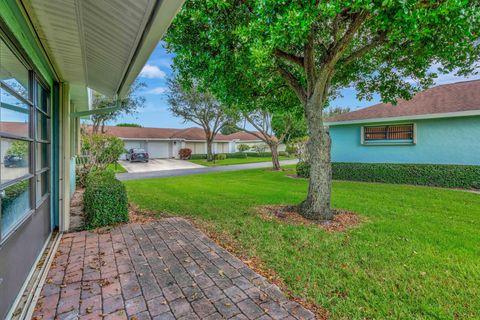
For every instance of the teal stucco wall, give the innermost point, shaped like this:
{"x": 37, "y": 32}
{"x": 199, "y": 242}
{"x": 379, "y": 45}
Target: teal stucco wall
{"x": 439, "y": 141}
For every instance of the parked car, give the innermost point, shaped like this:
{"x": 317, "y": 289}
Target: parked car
{"x": 139, "y": 155}
{"x": 10, "y": 161}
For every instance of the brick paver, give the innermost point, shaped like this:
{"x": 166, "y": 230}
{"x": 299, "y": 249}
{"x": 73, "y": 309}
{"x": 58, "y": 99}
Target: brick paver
{"x": 161, "y": 270}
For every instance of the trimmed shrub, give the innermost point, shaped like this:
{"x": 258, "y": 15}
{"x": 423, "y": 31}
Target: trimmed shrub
{"x": 220, "y": 156}
{"x": 434, "y": 175}
{"x": 199, "y": 156}
{"x": 303, "y": 169}
{"x": 283, "y": 153}
{"x": 243, "y": 147}
{"x": 185, "y": 153}
{"x": 259, "y": 154}
{"x": 105, "y": 200}
{"x": 237, "y": 155}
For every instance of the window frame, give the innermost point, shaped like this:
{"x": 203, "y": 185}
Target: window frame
{"x": 34, "y": 79}
{"x": 387, "y": 142}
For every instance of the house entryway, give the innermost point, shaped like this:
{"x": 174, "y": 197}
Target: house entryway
{"x": 159, "y": 270}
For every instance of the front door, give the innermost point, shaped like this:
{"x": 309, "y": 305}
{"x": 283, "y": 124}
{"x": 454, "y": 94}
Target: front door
{"x": 25, "y": 151}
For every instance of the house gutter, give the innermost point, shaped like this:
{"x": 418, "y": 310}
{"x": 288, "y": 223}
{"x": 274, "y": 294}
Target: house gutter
{"x": 404, "y": 118}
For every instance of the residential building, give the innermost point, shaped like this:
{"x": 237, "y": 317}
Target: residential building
{"x": 440, "y": 125}
{"x": 166, "y": 142}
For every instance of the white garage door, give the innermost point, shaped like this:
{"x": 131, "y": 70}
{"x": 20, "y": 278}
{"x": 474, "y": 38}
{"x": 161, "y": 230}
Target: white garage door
{"x": 159, "y": 149}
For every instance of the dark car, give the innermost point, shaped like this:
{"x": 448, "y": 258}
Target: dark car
{"x": 10, "y": 161}
{"x": 139, "y": 155}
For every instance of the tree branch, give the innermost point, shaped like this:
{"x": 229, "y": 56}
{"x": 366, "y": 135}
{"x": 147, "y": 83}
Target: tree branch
{"x": 309, "y": 62}
{"x": 338, "y": 47}
{"x": 294, "y": 83}
{"x": 362, "y": 51}
{"x": 288, "y": 56}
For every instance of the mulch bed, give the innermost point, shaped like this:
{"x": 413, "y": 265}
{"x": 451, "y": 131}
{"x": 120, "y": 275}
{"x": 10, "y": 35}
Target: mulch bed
{"x": 342, "y": 219}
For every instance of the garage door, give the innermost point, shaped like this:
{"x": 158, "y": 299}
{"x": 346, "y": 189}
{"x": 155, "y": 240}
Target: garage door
{"x": 159, "y": 149}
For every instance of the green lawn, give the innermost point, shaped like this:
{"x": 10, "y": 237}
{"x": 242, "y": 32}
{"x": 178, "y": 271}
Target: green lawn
{"x": 116, "y": 168}
{"x": 225, "y": 162}
{"x": 416, "y": 256}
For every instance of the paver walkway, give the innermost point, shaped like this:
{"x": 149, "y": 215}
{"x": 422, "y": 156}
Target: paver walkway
{"x": 186, "y": 172}
{"x": 161, "y": 270}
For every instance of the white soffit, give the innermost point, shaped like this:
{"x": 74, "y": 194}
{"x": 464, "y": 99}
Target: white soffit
{"x": 100, "y": 44}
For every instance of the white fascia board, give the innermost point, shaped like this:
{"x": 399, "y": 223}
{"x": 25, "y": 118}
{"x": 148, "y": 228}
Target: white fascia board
{"x": 406, "y": 118}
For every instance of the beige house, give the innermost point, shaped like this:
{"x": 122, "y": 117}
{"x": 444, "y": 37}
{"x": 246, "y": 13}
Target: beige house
{"x": 166, "y": 142}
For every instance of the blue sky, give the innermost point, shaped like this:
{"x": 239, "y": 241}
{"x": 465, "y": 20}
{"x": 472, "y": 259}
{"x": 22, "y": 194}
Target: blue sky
{"x": 158, "y": 69}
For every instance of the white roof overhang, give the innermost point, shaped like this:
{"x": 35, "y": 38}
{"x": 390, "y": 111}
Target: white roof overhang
{"x": 99, "y": 44}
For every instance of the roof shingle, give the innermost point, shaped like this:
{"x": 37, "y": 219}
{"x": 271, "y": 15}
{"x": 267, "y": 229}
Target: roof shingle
{"x": 455, "y": 97}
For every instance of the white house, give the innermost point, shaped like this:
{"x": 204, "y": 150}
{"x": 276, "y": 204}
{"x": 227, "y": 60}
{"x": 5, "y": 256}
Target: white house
{"x": 166, "y": 142}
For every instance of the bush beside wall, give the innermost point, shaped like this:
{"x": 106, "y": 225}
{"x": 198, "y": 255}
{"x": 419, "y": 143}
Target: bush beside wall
{"x": 199, "y": 156}
{"x": 259, "y": 154}
{"x": 434, "y": 175}
{"x": 237, "y": 155}
{"x": 105, "y": 200}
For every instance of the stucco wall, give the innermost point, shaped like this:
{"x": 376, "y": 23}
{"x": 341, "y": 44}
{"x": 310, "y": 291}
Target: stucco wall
{"x": 197, "y": 147}
{"x": 439, "y": 141}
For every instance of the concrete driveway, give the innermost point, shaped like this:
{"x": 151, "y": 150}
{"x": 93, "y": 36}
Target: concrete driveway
{"x": 158, "y": 165}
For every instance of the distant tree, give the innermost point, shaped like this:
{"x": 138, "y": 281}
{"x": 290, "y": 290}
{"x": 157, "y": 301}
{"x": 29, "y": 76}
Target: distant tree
{"x": 298, "y": 126}
{"x": 135, "y": 125}
{"x": 262, "y": 121}
{"x": 335, "y": 111}
{"x": 202, "y": 108}
{"x": 243, "y": 147}
{"x": 229, "y": 129}
{"x": 129, "y": 105}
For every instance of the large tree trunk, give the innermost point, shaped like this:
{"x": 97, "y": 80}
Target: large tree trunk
{"x": 275, "y": 161}
{"x": 317, "y": 204}
{"x": 209, "y": 150}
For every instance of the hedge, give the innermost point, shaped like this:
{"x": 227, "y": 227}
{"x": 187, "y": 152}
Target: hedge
{"x": 199, "y": 156}
{"x": 434, "y": 175}
{"x": 105, "y": 200}
{"x": 220, "y": 156}
{"x": 259, "y": 154}
{"x": 237, "y": 155}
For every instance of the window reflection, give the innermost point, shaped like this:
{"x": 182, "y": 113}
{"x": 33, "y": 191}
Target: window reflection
{"x": 42, "y": 155}
{"x": 42, "y": 127}
{"x": 15, "y": 205}
{"x": 12, "y": 71}
{"x": 15, "y": 157}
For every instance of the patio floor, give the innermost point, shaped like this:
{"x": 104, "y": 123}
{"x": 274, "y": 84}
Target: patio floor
{"x": 161, "y": 270}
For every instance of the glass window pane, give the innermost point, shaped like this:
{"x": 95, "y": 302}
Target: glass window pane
{"x": 42, "y": 127}
{"x": 13, "y": 115}
{"x": 12, "y": 71}
{"x": 42, "y": 155}
{"x": 42, "y": 98}
{"x": 43, "y": 183}
{"x": 15, "y": 155}
{"x": 15, "y": 205}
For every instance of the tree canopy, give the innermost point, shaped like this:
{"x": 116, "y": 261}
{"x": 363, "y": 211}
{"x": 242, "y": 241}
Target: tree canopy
{"x": 129, "y": 105}
{"x": 246, "y": 50}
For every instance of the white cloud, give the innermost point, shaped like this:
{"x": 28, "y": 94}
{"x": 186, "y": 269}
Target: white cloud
{"x": 158, "y": 90}
{"x": 152, "y": 72}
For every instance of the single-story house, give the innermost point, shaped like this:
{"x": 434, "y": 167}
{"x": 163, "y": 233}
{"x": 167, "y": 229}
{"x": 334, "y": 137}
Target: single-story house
{"x": 52, "y": 53}
{"x": 166, "y": 142}
{"x": 440, "y": 125}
